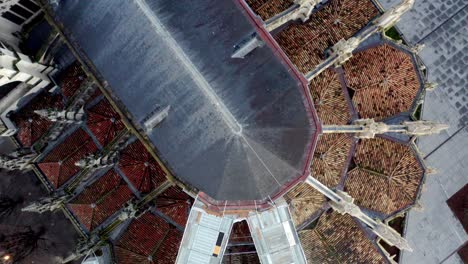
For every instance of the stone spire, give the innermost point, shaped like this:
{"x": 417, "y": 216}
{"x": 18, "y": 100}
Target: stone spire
{"x": 85, "y": 246}
{"x": 47, "y": 204}
{"x": 18, "y": 160}
{"x": 368, "y": 128}
{"x": 66, "y": 116}
{"x": 344, "y": 204}
{"x": 98, "y": 162}
{"x": 302, "y": 10}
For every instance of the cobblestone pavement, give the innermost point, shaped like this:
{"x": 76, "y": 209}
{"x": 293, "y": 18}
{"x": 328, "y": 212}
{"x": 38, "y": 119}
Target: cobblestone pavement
{"x": 441, "y": 26}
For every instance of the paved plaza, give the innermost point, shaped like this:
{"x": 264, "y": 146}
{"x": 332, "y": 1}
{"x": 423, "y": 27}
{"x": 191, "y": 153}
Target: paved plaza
{"x": 434, "y": 232}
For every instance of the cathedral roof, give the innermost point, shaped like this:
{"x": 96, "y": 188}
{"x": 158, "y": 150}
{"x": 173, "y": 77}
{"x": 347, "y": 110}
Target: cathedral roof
{"x": 387, "y": 175}
{"x": 267, "y": 9}
{"x": 331, "y": 158}
{"x": 104, "y": 122}
{"x": 100, "y": 200}
{"x": 306, "y": 43}
{"x": 384, "y": 79}
{"x": 175, "y": 204}
{"x": 59, "y": 164}
{"x": 330, "y": 98}
{"x": 230, "y": 120}
{"x": 339, "y": 239}
{"x": 304, "y": 201}
{"x": 141, "y": 168}
{"x": 71, "y": 79}
{"x": 32, "y": 127}
{"x": 148, "y": 239}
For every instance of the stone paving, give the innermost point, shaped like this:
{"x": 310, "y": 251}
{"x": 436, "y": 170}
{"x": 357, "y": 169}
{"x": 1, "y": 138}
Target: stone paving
{"x": 435, "y": 233}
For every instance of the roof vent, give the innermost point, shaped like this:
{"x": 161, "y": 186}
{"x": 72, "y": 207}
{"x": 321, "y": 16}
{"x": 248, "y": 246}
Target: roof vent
{"x": 156, "y": 117}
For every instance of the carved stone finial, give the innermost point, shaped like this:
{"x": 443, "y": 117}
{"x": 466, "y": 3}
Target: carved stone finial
{"x": 417, "y": 48}
{"x": 346, "y": 205}
{"x": 129, "y": 212}
{"x": 430, "y": 86}
{"x": 344, "y": 49}
{"x": 93, "y": 161}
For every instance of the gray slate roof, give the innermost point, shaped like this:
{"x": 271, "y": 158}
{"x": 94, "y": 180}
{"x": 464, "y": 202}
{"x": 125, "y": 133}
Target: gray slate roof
{"x": 238, "y": 129}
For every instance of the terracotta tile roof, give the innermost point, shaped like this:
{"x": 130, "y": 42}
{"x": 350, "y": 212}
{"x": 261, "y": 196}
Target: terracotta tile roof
{"x": 101, "y": 200}
{"x": 240, "y": 233}
{"x": 148, "y": 239}
{"x": 329, "y": 100}
{"x": 331, "y": 158}
{"x": 269, "y": 8}
{"x": 167, "y": 252}
{"x": 304, "y": 201}
{"x": 31, "y": 127}
{"x": 387, "y": 176}
{"x": 59, "y": 165}
{"x": 385, "y": 81}
{"x": 141, "y": 168}
{"x": 141, "y": 238}
{"x": 104, "y": 122}
{"x": 305, "y": 44}
{"x": 251, "y": 258}
{"x": 175, "y": 204}
{"x": 71, "y": 79}
{"x": 338, "y": 239}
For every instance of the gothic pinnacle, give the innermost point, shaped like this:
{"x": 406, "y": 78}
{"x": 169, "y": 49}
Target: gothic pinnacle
{"x": 64, "y": 116}
{"x": 368, "y": 128}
